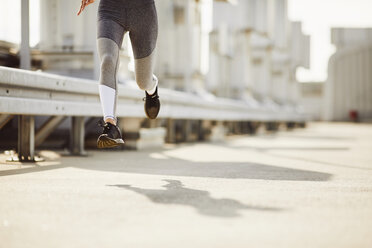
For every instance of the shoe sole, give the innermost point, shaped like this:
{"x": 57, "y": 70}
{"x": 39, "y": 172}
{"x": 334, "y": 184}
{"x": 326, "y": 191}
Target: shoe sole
{"x": 106, "y": 142}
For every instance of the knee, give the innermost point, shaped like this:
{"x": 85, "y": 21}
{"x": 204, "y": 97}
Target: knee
{"x": 108, "y": 61}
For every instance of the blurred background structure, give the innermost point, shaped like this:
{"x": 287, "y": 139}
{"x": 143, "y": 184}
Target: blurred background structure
{"x": 237, "y": 49}
{"x": 348, "y": 90}
{"x": 246, "y": 51}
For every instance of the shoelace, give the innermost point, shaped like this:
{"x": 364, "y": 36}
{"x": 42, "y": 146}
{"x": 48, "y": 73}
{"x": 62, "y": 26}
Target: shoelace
{"x": 104, "y": 125}
{"x": 150, "y": 97}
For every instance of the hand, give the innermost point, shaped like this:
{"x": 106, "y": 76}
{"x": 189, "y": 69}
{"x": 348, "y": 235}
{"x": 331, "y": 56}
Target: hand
{"x": 84, "y": 3}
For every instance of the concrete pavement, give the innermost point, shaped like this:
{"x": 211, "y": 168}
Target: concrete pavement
{"x": 305, "y": 188}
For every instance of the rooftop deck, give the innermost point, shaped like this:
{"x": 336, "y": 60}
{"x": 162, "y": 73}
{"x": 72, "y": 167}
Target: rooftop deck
{"x": 306, "y": 188}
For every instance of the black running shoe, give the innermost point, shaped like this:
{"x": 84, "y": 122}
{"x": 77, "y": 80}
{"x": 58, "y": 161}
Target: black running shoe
{"x": 110, "y": 137}
{"x": 152, "y": 104}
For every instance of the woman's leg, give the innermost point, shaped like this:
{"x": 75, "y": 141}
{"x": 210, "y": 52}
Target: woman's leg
{"x": 143, "y": 35}
{"x": 110, "y": 36}
{"x": 108, "y": 52}
{"x": 143, "y": 32}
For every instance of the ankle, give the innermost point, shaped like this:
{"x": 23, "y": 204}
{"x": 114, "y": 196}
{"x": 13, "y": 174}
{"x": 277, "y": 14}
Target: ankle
{"x": 153, "y": 89}
{"x": 110, "y": 120}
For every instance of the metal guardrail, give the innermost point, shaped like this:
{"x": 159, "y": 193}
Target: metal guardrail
{"x": 28, "y": 93}
{"x": 34, "y": 93}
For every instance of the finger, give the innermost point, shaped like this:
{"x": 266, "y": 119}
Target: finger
{"x": 82, "y": 7}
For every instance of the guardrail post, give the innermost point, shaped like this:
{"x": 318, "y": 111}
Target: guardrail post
{"x": 272, "y": 126}
{"x": 26, "y": 138}
{"x": 236, "y": 128}
{"x": 229, "y": 127}
{"x": 171, "y": 131}
{"x": 290, "y": 125}
{"x": 244, "y": 127}
{"x": 301, "y": 124}
{"x": 253, "y": 127}
{"x": 77, "y": 136}
{"x": 205, "y": 129}
{"x": 187, "y": 130}
{"x": 200, "y": 130}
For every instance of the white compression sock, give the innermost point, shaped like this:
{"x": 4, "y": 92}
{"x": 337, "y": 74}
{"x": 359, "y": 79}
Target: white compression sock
{"x": 108, "y": 101}
{"x": 152, "y": 91}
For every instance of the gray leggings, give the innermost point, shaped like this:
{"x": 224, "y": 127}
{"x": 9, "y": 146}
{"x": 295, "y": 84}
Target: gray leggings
{"x": 139, "y": 18}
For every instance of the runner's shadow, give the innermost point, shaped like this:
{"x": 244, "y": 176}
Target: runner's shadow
{"x": 176, "y": 193}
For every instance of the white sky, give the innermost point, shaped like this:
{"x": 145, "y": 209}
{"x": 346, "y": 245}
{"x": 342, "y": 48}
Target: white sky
{"x": 318, "y": 16}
